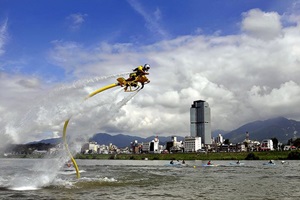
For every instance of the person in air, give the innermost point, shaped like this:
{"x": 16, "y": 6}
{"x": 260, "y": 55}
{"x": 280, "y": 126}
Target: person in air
{"x": 140, "y": 70}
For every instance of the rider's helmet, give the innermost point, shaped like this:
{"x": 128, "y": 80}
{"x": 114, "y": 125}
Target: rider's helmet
{"x": 146, "y": 67}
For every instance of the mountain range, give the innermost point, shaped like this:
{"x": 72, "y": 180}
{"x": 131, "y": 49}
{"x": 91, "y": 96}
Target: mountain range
{"x": 121, "y": 140}
{"x": 281, "y": 128}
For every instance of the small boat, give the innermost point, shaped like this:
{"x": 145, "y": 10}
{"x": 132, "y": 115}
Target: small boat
{"x": 176, "y": 164}
{"x": 211, "y": 165}
{"x": 270, "y": 164}
{"x": 68, "y": 169}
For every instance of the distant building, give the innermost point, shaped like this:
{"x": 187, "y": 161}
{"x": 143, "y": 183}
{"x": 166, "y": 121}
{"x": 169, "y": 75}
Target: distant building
{"x": 91, "y": 147}
{"x": 154, "y": 146}
{"x": 241, "y": 147}
{"x": 169, "y": 144}
{"x": 192, "y": 144}
{"x": 289, "y": 147}
{"x": 103, "y": 149}
{"x": 201, "y": 121}
{"x": 40, "y": 152}
{"x": 177, "y": 146}
{"x": 267, "y": 145}
{"x": 247, "y": 139}
{"x": 220, "y": 139}
{"x": 251, "y": 145}
{"x": 135, "y": 147}
{"x": 145, "y": 147}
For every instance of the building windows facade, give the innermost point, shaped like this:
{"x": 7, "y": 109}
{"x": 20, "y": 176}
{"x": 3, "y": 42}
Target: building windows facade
{"x": 201, "y": 121}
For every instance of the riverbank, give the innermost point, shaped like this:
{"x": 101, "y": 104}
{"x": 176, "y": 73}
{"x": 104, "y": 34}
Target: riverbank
{"x": 270, "y": 155}
{"x": 267, "y": 155}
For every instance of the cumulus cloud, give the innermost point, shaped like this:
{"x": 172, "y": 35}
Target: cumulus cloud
{"x": 219, "y": 69}
{"x": 259, "y": 24}
{"x": 243, "y": 79}
{"x": 283, "y": 99}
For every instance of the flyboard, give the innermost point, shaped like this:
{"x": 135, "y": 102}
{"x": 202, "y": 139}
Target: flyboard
{"x": 130, "y": 86}
{"x": 176, "y": 164}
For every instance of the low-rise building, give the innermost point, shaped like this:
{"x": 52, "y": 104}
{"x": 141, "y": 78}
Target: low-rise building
{"x": 266, "y": 145}
{"x": 40, "y": 152}
{"x": 192, "y": 144}
{"x": 219, "y": 139}
{"x": 154, "y": 146}
{"x": 145, "y": 147}
{"x": 91, "y": 147}
{"x": 136, "y": 147}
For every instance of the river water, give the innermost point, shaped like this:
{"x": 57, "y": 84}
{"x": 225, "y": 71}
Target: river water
{"x": 130, "y": 179}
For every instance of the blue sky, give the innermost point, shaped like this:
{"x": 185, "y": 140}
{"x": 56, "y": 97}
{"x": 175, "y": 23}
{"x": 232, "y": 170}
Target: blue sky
{"x": 241, "y": 57}
{"x": 34, "y": 25}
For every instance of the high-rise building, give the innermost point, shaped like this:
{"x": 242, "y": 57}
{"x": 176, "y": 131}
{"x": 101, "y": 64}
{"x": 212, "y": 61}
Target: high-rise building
{"x": 200, "y": 121}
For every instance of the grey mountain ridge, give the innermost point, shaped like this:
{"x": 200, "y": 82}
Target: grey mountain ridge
{"x": 280, "y": 127}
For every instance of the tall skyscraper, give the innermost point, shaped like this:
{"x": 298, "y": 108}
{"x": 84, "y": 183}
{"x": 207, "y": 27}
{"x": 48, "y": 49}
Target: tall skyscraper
{"x": 200, "y": 121}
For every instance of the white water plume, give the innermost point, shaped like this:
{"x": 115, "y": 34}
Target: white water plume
{"x": 41, "y": 175}
{"x": 49, "y": 112}
{"x": 86, "y": 82}
{"x": 48, "y": 116}
{"x": 104, "y": 108}
{"x": 114, "y": 108}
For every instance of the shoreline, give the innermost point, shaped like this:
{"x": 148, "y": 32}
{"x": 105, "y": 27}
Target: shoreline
{"x": 263, "y": 155}
{"x": 270, "y": 155}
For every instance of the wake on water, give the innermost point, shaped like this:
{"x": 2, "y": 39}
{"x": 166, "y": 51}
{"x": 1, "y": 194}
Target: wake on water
{"x": 49, "y": 114}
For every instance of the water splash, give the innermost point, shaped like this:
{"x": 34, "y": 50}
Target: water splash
{"x": 38, "y": 176}
{"x": 48, "y": 115}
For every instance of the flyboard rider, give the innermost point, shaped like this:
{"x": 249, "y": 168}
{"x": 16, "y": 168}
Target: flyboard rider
{"x": 140, "y": 70}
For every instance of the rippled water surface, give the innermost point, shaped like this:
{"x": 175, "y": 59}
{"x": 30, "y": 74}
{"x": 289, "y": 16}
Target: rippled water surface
{"x": 130, "y": 179}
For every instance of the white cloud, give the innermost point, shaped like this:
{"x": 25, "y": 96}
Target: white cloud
{"x": 152, "y": 19}
{"x": 76, "y": 20}
{"x": 241, "y": 77}
{"x": 3, "y": 36}
{"x": 262, "y": 25}
{"x": 293, "y": 15}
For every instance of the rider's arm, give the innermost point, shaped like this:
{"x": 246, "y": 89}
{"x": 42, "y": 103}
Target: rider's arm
{"x": 144, "y": 73}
